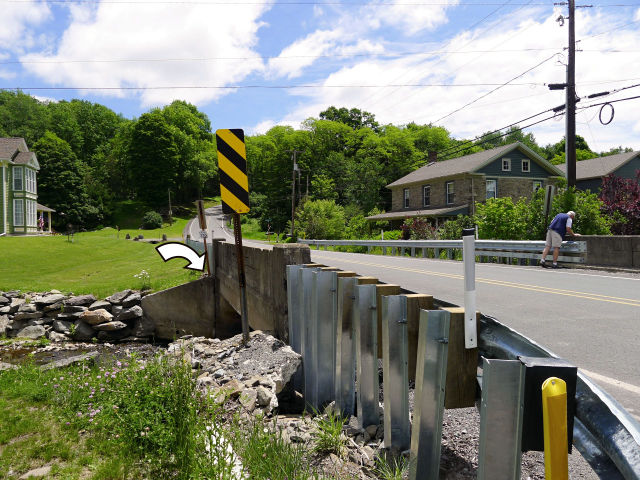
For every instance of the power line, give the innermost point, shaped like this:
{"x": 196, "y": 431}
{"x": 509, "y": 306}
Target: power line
{"x": 495, "y": 89}
{"x": 287, "y": 57}
{"x": 238, "y": 87}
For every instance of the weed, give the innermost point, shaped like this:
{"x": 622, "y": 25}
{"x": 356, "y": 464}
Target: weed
{"x": 391, "y": 468}
{"x": 72, "y": 329}
{"x": 145, "y": 279}
{"x": 329, "y": 436}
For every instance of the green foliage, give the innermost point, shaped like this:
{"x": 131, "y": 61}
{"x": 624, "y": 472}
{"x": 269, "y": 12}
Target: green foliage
{"x": 391, "y": 468}
{"x": 60, "y": 184}
{"x": 452, "y": 229}
{"x": 323, "y": 188}
{"x": 320, "y": 219}
{"x": 354, "y": 117}
{"x": 151, "y": 220}
{"x": 500, "y": 218}
{"x": 329, "y": 436}
{"x": 590, "y": 217}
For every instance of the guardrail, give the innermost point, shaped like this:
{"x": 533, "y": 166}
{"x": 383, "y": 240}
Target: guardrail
{"x": 342, "y": 324}
{"x": 486, "y": 250}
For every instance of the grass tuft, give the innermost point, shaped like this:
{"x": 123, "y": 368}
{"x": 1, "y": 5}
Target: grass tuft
{"x": 329, "y": 436}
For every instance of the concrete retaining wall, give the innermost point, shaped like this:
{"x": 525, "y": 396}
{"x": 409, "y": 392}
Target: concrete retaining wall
{"x": 266, "y": 276}
{"x": 615, "y": 251}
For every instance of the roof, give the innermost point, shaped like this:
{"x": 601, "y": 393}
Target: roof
{"x": 434, "y": 212}
{"x": 468, "y": 163}
{"x": 42, "y": 208}
{"x": 9, "y": 146}
{"x": 600, "y": 166}
{"x": 26, "y": 158}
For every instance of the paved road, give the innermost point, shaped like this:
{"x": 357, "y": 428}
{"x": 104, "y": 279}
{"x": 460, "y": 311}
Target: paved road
{"x": 591, "y": 318}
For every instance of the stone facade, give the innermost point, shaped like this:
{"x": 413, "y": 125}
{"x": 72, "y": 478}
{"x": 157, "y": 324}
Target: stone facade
{"x": 468, "y": 188}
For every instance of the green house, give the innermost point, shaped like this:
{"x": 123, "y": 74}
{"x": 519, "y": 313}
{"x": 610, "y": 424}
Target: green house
{"x": 20, "y": 212}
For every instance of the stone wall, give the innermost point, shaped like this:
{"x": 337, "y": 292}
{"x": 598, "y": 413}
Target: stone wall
{"x": 61, "y": 317}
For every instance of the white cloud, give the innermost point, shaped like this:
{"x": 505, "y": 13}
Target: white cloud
{"x": 17, "y": 21}
{"x": 514, "y": 38}
{"x": 412, "y": 19}
{"x": 153, "y": 31}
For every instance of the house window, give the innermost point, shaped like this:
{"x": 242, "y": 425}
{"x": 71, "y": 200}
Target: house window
{"x": 506, "y": 164}
{"x": 426, "y": 195}
{"x": 537, "y": 184}
{"x": 405, "y": 194}
{"x": 526, "y": 165}
{"x": 18, "y": 212}
{"x": 450, "y": 193}
{"x": 31, "y": 213}
{"x": 492, "y": 188}
{"x": 30, "y": 176}
{"x": 17, "y": 178}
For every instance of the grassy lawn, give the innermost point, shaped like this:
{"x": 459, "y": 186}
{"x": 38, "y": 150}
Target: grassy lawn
{"x": 95, "y": 262}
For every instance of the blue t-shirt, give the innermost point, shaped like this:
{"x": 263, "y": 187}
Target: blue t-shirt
{"x": 559, "y": 224}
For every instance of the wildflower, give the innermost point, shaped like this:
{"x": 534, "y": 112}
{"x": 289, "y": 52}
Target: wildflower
{"x": 118, "y": 364}
{"x": 79, "y": 414}
{"x": 61, "y": 378}
{"x": 67, "y": 423}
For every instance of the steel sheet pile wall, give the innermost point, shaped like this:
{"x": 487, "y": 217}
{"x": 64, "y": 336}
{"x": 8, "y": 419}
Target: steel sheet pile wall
{"x": 343, "y": 324}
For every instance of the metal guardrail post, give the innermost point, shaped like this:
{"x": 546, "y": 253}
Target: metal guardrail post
{"x": 431, "y": 370}
{"x": 295, "y": 318}
{"x": 365, "y": 323}
{"x": 345, "y": 343}
{"x": 395, "y": 353}
{"x": 306, "y": 344}
{"x": 501, "y": 411}
{"x": 322, "y": 341}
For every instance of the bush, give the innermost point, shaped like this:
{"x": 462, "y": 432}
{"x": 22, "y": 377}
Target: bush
{"x": 452, "y": 229}
{"x": 320, "y": 219}
{"x": 151, "y": 220}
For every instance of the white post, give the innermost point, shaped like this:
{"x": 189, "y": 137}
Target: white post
{"x": 469, "y": 260}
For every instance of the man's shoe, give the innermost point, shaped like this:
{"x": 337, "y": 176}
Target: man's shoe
{"x": 555, "y": 265}
{"x": 543, "y": 264}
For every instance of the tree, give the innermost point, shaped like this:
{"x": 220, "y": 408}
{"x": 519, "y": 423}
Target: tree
{"x": 320, "y": 219}
{"x": 621, "y": 200}
{"x": 355, "y": 117}
{"x": 60, "y": 184}
{"x": 153, "y": 158}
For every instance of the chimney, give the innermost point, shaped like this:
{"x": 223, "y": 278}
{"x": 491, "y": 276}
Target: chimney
{"x": 433, "y": 156}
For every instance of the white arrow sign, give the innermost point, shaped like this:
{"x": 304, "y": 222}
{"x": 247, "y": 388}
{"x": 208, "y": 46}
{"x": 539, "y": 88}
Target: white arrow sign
{"x": 179, "y": 250}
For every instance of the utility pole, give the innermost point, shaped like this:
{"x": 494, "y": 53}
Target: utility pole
{"x": 294, "y": 157}
{"x": 570, "y": 136}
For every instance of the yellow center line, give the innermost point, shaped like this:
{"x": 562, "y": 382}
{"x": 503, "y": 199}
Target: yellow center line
{"x": 503, "y": 283}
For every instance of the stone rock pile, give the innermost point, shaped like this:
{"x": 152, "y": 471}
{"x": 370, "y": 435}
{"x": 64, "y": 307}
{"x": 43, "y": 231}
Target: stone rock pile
{"x": 251, "y": 377}
{"x": 60, "y": 317}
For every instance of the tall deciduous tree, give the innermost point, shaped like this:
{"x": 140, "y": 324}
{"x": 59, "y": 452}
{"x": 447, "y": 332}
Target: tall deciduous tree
{"x": 60, "y": 184}
{"x": 153, "y": 158}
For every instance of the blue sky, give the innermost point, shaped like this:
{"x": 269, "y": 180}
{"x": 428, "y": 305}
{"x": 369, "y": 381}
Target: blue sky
{"x": 402, "y": 60}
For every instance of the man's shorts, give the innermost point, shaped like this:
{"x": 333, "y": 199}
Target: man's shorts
{"x": 554, "y": 239}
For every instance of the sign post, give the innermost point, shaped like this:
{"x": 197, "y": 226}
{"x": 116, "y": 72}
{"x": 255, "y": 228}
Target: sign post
{"x": 548, "y": 202}
{"x": 203, "y": 232}
{"x": 234, "y": 192}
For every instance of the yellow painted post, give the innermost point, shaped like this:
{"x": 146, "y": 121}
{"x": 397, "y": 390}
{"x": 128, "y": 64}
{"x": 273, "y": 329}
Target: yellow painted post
{"x": 554, "y": 420}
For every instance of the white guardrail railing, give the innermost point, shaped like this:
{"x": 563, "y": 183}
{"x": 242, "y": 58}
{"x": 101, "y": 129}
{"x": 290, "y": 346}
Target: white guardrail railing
{"x": 486, "y": 250}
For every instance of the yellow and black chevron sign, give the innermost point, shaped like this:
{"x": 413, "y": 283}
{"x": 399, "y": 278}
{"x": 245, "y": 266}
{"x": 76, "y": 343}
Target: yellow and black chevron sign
{"x": 232, "y": 168}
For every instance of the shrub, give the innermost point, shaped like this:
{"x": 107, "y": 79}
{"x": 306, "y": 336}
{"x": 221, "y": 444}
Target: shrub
{"x": 452, "y": 229}
{"x": 151, "y": 220}
{"x": 320, "y": 219}
{"x": 621, "y": 199}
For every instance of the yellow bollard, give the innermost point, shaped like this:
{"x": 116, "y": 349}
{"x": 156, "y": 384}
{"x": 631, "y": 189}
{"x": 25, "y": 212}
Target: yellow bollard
{"x": 554, "y": 420}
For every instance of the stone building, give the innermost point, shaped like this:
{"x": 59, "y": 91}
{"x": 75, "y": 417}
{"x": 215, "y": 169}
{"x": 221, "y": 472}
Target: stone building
{"x": 442, "y": 190}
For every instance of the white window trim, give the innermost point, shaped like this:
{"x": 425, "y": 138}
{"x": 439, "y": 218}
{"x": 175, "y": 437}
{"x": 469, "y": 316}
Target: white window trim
{"x": 508, "y": 160}
{"x": 15, "y": 177}
{"x": 405, "y": 198}
{"x": 424, "y": 188}
{"x": 495, "y": 189}
{"x": 18, "y": 221}
{"x": 452, "y": 192}
{"x": 528, "y": 163}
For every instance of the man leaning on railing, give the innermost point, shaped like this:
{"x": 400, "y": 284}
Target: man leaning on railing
{"x": 558, "y": 228}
